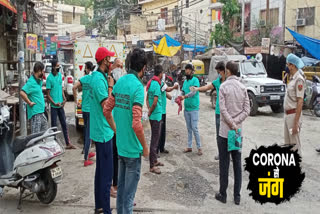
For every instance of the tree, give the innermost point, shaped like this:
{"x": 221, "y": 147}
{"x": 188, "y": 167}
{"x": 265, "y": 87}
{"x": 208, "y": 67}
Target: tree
{"x": 222, "y": 33}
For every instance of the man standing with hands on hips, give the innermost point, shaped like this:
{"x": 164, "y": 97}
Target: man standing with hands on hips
{"x": 57, "y": 100}
{"x": 293, "y": 102}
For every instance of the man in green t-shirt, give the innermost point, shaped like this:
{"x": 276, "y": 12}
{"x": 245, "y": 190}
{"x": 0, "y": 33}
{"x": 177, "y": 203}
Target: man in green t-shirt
{"x": 32, "y": 94}
{"x": 220, "y": 68}
{"x": 191, "y": 107}
{"x": 57, "y": 100}
{"x": 127, "y": 101}
{"x": 154, "y": 104}
{"x": 84, "y": 85}
{"x": 101, "y": 132}
{"x": 164, "y": 96}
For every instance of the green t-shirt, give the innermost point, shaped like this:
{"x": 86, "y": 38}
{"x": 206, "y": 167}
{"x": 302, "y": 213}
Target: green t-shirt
{"x": 217, "y": 83}
{"x": 192, "y": 103}
{"x": 163, "y": 100}
{"x": 54, "y": 83}
{"x": 33, "y": 89}
{"x": 127, "y": 92}
{"x": 155, "y": 91}
{"x": 86, "y": 91}
{"x": 100, "y": 130}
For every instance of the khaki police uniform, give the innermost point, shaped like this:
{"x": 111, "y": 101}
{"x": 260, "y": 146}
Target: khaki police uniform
{"x": 295, "y": 89}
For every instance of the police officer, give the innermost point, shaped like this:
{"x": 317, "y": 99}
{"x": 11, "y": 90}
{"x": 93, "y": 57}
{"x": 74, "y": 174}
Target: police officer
{"x": 293, "y": 102}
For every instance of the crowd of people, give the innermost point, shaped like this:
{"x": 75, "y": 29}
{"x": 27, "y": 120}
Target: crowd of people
{"x": 112, "y": 113}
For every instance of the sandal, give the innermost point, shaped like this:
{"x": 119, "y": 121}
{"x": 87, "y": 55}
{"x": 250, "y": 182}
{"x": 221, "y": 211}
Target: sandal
{"x": 200, "y": 152}
{"x": 158, "y": 164}
{"x": 155, "y": 170}
{"x": 187, "y": 150}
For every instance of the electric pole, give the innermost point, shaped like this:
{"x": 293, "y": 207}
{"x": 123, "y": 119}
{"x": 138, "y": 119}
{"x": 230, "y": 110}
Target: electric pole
{"x": 21, "y": 71}
{"x": 242, "y": 19}
{"x": 268, "y": 13}
{"x": 195, "y": 34}
{"x": 181, "y": 35}
{"x": 124, "y": 28}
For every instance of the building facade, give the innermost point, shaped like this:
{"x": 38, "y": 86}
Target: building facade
{"x": 303, "y": 17}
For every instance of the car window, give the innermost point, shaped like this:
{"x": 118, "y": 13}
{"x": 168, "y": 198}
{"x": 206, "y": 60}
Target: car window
{"x": 48, "y": 69}
{"x": 252, "y": 68}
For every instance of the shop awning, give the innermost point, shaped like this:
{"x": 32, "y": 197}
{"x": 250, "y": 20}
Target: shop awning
{"x": 8, "y": 5}
{"x": 310, "y": 44}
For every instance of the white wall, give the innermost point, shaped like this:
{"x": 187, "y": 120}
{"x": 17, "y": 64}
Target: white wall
{"x": 257, "y": 5}
{"x": 202, "y": 26}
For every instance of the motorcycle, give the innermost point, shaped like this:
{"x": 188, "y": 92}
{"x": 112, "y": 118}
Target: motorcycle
{"x": 29, "y": 163}
{"x": 312, "y": 95}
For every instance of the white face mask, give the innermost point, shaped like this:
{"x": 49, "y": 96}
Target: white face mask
{"x": 117, "y": 73}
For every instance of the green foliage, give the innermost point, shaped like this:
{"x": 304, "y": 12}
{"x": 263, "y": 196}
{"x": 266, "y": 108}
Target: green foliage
{"x": 222, "y": 33}
{"x": 113, "y": 26}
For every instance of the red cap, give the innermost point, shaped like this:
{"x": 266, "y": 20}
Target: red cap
{"x": 102, "y": 53}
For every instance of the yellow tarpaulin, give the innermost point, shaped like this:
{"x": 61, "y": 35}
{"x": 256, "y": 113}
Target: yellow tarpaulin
{"x": 164, "y": 50}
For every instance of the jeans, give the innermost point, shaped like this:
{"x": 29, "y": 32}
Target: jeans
{"x": 192, "y": 119}
{"x": 103, "y": 176}
{"x": 87, "y": 141}
{"x": 115, "y": 162}
{"x": 217, "y": 126}
{"x": 162, "y": 140}
{"x": 155, "y": 136}
{"x": 62, "y": 118}
{"x": 129, "y": 176}
{"x": 224, "y": 162}
{"x": 39, "y": 123}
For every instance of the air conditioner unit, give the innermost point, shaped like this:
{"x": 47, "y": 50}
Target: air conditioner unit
{"x": 301, "y": 22}
{"x": 262, "y": 22}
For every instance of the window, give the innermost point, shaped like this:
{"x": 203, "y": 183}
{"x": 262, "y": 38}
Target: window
{"x": 67, "y": 18}
{"x": 187, "y": 3}
{"x": 273, "y": 16}
{"x": 164, "y": 14}
{"x": 307, "y": 14}
{"x": 51, "y": 18}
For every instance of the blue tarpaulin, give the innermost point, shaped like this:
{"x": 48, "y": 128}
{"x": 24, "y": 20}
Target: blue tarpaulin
{"x": 310, "y": 44}
{"x": 173, "y": 43}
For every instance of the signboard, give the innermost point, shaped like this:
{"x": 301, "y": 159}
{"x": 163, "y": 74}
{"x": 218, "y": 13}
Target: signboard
{"x": 252, "y": 50}
{"x": 32, "y": 42}
{"x": 265, "y": 45}
{"x": 135, "y": 39}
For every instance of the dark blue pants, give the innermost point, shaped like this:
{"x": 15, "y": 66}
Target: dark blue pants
{"x": 62, "y": 118}
{"x": 86, "y": 134}
{"x": 224, "y": 162}
{"x": 103, "y": 176}
{"x": 162, "y": 141}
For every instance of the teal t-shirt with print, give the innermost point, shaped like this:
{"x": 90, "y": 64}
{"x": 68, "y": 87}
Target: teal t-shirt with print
{"x": 33, "y": 89}
{"x": 128, "y": 92}
{"x": 54, "y": 84}
{"x": 192, "y": 103}
{"x": 155, "y": 91}
{"x": 100, "y": 130}
{"x": 86, "y": 91}
{"x": 217, "y": 83}
{"x": 163, "y": 100}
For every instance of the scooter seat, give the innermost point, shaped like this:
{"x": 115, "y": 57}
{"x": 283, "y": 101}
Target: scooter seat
{"x": 20, "y": 143}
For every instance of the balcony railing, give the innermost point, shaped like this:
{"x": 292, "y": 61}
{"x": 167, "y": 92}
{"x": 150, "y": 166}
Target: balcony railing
{"x": 170, "y": 21}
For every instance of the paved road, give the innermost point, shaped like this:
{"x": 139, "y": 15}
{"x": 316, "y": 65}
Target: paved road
{"x": 188, "y": 182}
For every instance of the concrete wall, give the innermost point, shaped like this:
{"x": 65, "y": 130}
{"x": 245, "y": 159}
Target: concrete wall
{"x": 258, "y": 5}
{"x": 138, "y": 24}
{"x": 291, "y": 14}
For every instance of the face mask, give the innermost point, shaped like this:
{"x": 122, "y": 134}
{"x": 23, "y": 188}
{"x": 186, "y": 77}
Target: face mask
{"x": 189, "y": 76}
{"x": 219, "y": 75}
{"x": 41, "y": 76}
{"x": 117, "y": 73}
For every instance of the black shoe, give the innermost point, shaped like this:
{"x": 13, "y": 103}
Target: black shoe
{"x": 165, "y": 151}
{"x": 221, "y": 198}
{"x": 318, "y": 150}
{"x": 237, "y": 200}
{"x": 216, "y": 157}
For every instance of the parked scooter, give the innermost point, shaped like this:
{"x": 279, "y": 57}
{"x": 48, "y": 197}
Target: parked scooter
{"x": 312, "y": 95}
{"x": 29, "y": 163}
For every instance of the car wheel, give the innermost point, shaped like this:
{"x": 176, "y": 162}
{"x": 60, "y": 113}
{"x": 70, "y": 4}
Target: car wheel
{"x": 277, "y": 108}
{"x": 316, "y": 109}
{"x": 253, "y": 104}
